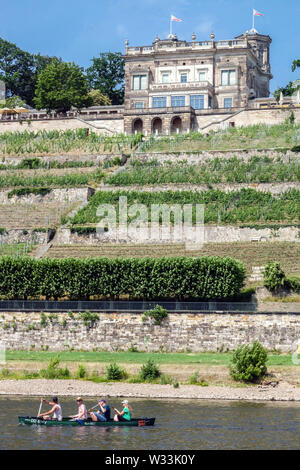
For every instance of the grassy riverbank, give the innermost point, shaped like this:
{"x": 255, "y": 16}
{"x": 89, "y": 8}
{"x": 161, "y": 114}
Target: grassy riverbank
{"x": 209, "y": 358}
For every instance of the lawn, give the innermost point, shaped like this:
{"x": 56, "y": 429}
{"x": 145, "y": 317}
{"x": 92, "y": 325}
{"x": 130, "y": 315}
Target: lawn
{"x": 138, "y": 357}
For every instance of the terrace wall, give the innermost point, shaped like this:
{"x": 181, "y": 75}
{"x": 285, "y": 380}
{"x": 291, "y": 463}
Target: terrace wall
{"x": 55, "y": 194}
{"x": 180, "y": 332}
{"x": 105, "y": 126}
{"x": 202, "y": 156}
{"x": 209, "y": 120}
{"x": 212, "y": 234}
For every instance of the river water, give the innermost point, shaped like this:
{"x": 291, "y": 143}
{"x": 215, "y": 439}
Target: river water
{"x": 180, "y": 425}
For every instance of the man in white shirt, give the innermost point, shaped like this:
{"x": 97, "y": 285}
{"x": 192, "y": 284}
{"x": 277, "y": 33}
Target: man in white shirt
{"x": 55, "y": 412}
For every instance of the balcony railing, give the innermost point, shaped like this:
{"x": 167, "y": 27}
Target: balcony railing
{"x": 170, "y": 110}
{"x": 232, "y": 43}
{"x": 180, "y": 86}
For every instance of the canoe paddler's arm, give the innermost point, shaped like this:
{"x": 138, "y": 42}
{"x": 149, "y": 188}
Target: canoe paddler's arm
{"x": 48, "y": 413}
{"x": 45, "y": 401}
{"x": 119, "y": 412}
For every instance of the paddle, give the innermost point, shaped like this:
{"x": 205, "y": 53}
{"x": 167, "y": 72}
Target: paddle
{"x": 40, "y": 408}
{"x": 96, "y": 406}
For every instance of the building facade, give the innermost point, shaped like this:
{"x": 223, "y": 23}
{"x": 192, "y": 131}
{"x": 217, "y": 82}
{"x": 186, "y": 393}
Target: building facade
{"x": 172, "y": 83}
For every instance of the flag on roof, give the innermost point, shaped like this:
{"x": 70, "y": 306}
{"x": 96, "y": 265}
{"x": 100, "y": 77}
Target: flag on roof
{"x": 173, "y": 18}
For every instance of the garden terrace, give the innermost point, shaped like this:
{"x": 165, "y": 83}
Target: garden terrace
{"x": 235, "y": 207}
{"x": 251, "y": 254}
{"x": 51, "y": 178}
{"x": 75, "y": 142}
{"x": 31, "y": 216}
{"x": 259, "y": 136}
{"x": 258, "y": 169}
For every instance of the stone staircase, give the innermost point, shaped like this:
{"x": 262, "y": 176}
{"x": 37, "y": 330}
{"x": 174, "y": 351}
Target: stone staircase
{"x": 257, "y": 274}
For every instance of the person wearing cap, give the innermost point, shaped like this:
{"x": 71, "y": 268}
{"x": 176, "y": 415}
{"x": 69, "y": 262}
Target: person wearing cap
{"x": 54, "y": 413}
{"x": 103, "y": 414}
{"x": 82, "y": 414}
{"x": 124, "y": 415}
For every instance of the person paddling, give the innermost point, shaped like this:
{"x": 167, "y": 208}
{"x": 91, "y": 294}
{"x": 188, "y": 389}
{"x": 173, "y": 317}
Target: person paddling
{"x": 124, "y": 415}
{"x": 55, "y": 412}
{"x": 104, "y": 412}
{"x": 82, "y": 414}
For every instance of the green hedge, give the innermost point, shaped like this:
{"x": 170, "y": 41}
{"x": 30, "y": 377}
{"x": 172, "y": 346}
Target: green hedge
{"x": 205, "y": 278}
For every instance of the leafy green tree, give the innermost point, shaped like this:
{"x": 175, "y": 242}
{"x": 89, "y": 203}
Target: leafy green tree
{"x": 99, "y": 99}
{"x": 290, "y": 88}
{"x": 107, "y": 75}
{"x": 12, "y": 102}
{"x": 295, "y": 64}
{"x": 19, "y": 70}
{"x": 60, "y": 86}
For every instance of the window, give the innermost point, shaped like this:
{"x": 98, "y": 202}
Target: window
{"x": 177, "y": 101}
{"x": 140, "y": 82}
{"x": 209, "y": 101}
{"x": 183, "y": 77}
{"x": 227, "y": 102}
{"x": 228, "y": 77}
{"x": 139, "y": 105}
{"x": 165, "y": 78}
{"x": 202, "y": 76}
{"x": 197, "y": 101}
{"x": 159, "y": 102}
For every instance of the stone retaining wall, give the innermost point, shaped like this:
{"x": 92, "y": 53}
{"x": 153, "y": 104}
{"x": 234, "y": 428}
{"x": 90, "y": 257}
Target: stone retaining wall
{"x": 97, "y": 159}
{"x": 180, "y": 332}
{"x": 273, "y": 188}
{"x": 100, "y": 126}
{"x": 202, "y": 156}
{"x": 22, "y": 236}
{"x": 212, "y": 234}
{"x": 56, "y": 194}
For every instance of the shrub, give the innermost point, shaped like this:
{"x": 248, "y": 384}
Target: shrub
{"x": 149, "y": 371}
{"x": 88, "y": 318}
{"x": 157, "y": 314}
{"x": 293, "y": 283}
{"x": 274, "y": 276}
{"x": 43, "y": 320}
{"x": 194, "y": 380}
{"x": 54, "y": 372}
{"x": 81, "y": 372}
{"x": 249, "y": 362}
{"x": 115, "y": 372}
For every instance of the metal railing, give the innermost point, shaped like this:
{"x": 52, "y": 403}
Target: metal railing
{"x": 124, "y": 306}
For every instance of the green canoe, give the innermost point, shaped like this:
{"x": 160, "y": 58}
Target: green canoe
{"x": 68, "y": 422}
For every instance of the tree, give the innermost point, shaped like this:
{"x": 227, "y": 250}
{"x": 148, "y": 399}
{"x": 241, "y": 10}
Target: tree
{"x": 60, "y": 86}
{"x": 19, "y": 70}
{"x": 99, "y": 99}
{"x": 107, "y": 75}
{"x": 290, "y": 88}
{"x": 295, "y": 64}
{"x": 13, "y": 102}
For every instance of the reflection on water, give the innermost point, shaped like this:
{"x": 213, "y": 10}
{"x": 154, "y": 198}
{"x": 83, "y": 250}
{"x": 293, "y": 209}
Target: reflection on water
{"x": 184, "y": 425}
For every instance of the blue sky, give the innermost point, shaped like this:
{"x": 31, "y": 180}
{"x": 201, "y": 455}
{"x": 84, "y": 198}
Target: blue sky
{"x": 78, "y": 30}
